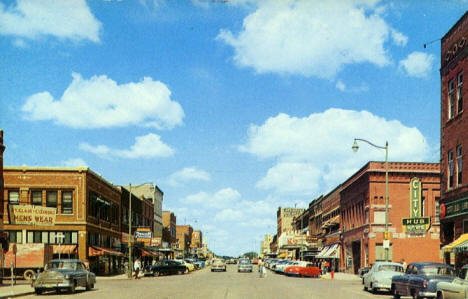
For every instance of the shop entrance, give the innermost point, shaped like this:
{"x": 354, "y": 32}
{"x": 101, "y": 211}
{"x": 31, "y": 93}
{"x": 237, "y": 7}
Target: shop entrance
{"x": 356, "y": 249}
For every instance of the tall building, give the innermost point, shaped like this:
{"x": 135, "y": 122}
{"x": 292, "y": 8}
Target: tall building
{"x": 184, "y": 237}
{"x": 285, "y": 217}
{"x": 169, "y": 228}
{"x": 454, "y": 143}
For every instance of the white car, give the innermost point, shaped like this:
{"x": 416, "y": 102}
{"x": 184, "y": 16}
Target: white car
{"x": 380, "y": 276}
{"x": 457, "y": 289}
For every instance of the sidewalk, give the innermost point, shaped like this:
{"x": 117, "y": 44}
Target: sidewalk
{"x": 23, "y": 288}
{"x": 342, "y": 276}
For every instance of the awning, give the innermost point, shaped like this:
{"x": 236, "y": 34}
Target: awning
{"x": 463, "y": 247}
{"x": 449, "y": 247}
{"x": 322, "y": 252}
{"x": 63, "y": 249}
{"x": 145, "y": 252}
{"x": 100, "y": 251}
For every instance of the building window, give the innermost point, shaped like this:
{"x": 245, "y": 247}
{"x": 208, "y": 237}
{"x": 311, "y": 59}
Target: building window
{"x": 379, "y": 217}
{"x": 450, "y": 166}
{"x": 459, "y": 165}
{"x": 13, "y": 197}
{"x": 437, "y": 210}
{"x": 380, "y": 252}
{"x": 51, "y": 199}
{"x": 451, "y": 100}
{"x": 460, "y": 92}
{"x": 36, "y": 198}
{"x": 67, "y": 202}
{"x": 34, "y": 237}
{"x": 15, "y": 237}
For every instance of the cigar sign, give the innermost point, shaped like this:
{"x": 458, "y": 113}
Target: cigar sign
{"x": 32, "y": 215}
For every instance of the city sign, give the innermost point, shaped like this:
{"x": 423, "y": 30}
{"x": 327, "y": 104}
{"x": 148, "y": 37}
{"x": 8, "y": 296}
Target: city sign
{"x": 415, "y": 198}
{"x": 32, "y": 215}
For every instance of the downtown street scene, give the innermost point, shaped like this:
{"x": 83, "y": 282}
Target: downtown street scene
{"x": 233, "y": 149}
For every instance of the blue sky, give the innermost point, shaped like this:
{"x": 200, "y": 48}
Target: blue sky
{"x": 233, "y": 108}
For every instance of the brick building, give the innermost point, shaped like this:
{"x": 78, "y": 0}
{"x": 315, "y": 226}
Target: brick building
{"x": 155, "y": 195}
{"x": 362, "y": 212}
{"x": 169, "y": 228}
{"x": 86, "y": 209}
{"x": 184, "y": 237}
{"x": 454, "y": 142}
{"x": 285, "y": 217}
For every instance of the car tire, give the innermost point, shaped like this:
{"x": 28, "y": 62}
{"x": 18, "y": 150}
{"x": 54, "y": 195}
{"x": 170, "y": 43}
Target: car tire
{"x": 395, "y": 293}
{"x": 440, "y": 295}
{"x": 38, "y": 291}
{"x": 180, "y": 272}
{"x": 72, "y": 287}
{"x": 28, "y": 275}
{"x": 155, "y": 273}
{"x": 89, "y": 286}
{"x": 365, "y": 288}
{"x": 186, "y": 271}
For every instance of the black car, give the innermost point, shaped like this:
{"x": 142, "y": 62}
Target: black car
{"x": 166, "y": 267}
{"x": 420, "y": 280}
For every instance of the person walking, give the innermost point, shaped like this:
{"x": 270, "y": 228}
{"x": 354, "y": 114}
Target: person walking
{"x": 137, "y": 267}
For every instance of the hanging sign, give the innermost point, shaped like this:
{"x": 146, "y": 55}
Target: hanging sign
{"x": 416, "y": 224}
{"x": 415, "y": 198}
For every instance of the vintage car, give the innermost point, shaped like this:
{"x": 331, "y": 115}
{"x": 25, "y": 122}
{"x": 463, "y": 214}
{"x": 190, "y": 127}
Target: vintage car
{"x": 218, "y": 265}
{"x": 187, "y": 264}
{"x": 166, "y": 267}
{"x": 420, "y": 280}
{"x": 63, "y": 274}
{"x": 303, "y": 269}
{"x": 244, "y": 265}
{"x": 457, "y": 289}
{"x": 380, "y": 276}
{"x": 363, "y": 271}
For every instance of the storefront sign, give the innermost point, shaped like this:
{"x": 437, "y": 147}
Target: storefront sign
{"x": 143, "y": 235}
{"x": 415, "y": 198}
{"x": 32, "y": 215}
{"x": 156, "y": 241}
{"x": 416, "y": 225}
{"x": 456, "y": 208}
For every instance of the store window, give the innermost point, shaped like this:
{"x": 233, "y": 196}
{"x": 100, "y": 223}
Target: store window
{"x": 13, "y": 197}
{"x": 67, "y": 202}
{"x": 36, "y": 198}
{"x": 51, "y": 199}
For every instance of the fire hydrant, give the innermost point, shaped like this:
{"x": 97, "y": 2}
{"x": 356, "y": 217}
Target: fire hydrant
{"x": 332, "y": 274}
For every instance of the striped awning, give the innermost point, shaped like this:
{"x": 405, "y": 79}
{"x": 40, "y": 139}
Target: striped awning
{"x": 450, "y": 247}
{"x": 463, "y": 247}
{"x": 100, "y": 251}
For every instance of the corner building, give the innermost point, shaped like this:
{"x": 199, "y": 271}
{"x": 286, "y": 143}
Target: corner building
{"x": 454, "y": 143}
{"x": 362, "y": 215}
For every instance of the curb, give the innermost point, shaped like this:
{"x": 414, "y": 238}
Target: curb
{"x": 18, "y": 295}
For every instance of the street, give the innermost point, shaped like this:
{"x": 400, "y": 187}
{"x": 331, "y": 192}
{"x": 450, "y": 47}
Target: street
{"x": 230, "y": 284}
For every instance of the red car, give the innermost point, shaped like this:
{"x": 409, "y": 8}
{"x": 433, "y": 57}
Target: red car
{"x": 303, "y": 270}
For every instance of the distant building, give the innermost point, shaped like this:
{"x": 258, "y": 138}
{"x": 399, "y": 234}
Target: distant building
{"x": 265, "y": 245}
{"x": 184, "y": 237}
{"x": 285, "y": 217}
{"x": 169, "y": 228}
{"x": 454, "y": 143}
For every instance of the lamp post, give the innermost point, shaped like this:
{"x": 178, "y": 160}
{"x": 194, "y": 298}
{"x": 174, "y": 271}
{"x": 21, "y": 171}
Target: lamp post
{"x": 130, "y": 256}
{"x": 355, "y": 148}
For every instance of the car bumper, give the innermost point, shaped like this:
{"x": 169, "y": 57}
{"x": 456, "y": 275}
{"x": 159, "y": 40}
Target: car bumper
{"x": 428, "y": 294}
{"x": 218, "y": 268}
{"x": 382, "y": 286}
{"x": 52, "y": 285}
{"x": 244, "y": 269}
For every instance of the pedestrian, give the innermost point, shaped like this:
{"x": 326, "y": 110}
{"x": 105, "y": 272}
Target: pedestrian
{"x": 137, "y": 267}
{"x": 403, "y": 262}
{"x": 324, "y": 268}
{"x": 261, "y": 269}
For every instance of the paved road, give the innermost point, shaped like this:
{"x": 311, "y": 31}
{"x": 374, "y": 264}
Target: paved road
{"x": 223, "y": 285}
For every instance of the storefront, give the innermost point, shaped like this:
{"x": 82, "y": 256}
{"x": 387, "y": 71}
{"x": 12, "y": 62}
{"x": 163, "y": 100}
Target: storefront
{"x": 105, "y": 261}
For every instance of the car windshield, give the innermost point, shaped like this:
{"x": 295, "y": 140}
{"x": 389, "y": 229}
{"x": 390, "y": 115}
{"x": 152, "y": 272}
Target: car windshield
{"x": 433, "y": 270}
{"x": 244, "y": 262}
{"x": 61, "y": 265}
{"x": 395, "y": 268}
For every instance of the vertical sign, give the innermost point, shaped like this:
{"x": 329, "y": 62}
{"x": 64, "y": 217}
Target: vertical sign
{"x": 415, "y": 198}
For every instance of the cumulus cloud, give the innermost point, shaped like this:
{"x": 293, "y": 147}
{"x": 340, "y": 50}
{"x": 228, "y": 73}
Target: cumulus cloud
{"x": 417, "y": 64}
{"x": 314, "y": 153}
{"x": 147, "y": 146}
{"x": 99, "y": 102}
{"x": 220, "y": 199}
{"x": 229, "y": 215}
{"x": 74, "y": 162}
{"x": 312, "y": 37}
{"x": 188, "y": 174}
{"x": 70, "y": 20}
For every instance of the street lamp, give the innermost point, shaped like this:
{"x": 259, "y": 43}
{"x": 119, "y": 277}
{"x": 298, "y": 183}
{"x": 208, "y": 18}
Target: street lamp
{"x": 130, "y": 257}
{"x": 355, "y": 148}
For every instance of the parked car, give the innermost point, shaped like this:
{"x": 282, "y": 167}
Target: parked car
{"x": 244, "y": 265}
{"x": 166, "y": 267}
{"x": 64, "y": 274}
{"x": 189, "y": 266}
{"x": 281, "y": 266}
{"x": 303, "y": 269}
{"x": 218, "y": 265}
{"x": 197, "y": 263}
{"x": 380, "y": 276}
{"x": 457, "y": 289}
{"x": 420, "y": 280}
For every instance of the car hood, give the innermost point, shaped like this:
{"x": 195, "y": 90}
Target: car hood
{"x": 386, "y": 274}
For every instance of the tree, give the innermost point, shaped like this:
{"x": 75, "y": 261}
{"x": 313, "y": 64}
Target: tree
{"x": 251, "y": 255}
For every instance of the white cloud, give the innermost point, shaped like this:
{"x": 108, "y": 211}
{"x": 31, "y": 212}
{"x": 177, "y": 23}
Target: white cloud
{"x": 102, "y": 103}
{"x": 74, "y": 162}
{"x": 220, "y": 199}
{"x": 148, "y": 146}
{"x": 314, "y": 153}
{"x": 72, "y": 20}
{"x": 340, "y": 85}
{"x": 188, "y": 174}
{"x": 399, "y": 38}
{"x": 417, "y": 64}
{"x": 229, "y": 215}
{"x": 312, "y": 38}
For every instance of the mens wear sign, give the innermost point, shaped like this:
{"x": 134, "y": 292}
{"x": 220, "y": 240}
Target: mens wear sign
{"x": 32, "y": 215}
